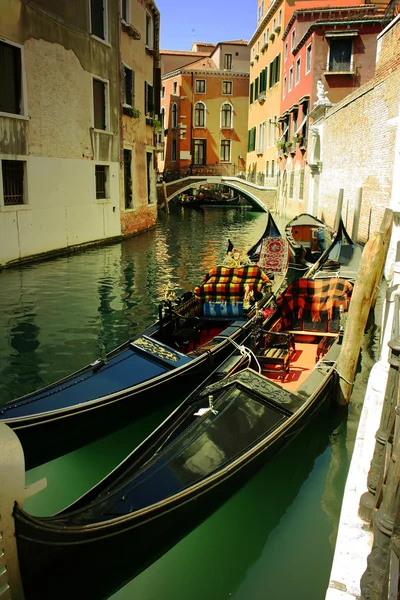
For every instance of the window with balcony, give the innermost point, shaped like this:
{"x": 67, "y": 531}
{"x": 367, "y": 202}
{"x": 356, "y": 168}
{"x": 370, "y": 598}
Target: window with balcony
{"x": 227, "y": 88}
{"x": 13, "y": 172}
{"x": 174, "y": 116}
{"x": 11, "y": 100}
{"x": 225, "y": 151}
{"x": 200, "y": 86}
{"x": 98, "y": 13}
{"x": 226, "y": 116}
{"x": 199, "y": 152}
{"x": 200, "y": 114}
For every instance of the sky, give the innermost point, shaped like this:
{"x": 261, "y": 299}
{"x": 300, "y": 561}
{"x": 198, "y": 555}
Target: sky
{"x": 186, "y": 21}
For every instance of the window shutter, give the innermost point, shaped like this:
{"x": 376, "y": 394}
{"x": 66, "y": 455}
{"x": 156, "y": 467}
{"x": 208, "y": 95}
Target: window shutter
{"x": 278, "y": 67}
{"x": 256, "y": 88}
{"x": 251, "y": 92}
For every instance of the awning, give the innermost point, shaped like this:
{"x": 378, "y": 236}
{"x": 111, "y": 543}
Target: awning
{"x": 284, "y": 133}
{"x": 301, "y": 124}
{"x": 342, "y": 33}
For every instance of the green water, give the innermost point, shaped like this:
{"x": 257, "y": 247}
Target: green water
{"x": 274, "y": 539}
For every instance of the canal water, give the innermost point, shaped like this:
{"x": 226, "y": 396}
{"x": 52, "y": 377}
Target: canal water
{"x": 275, "y": 538}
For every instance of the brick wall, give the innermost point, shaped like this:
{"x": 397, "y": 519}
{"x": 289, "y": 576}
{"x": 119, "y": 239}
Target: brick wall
{"x": 138, "y": 220}
{"x": 359, "y": 140}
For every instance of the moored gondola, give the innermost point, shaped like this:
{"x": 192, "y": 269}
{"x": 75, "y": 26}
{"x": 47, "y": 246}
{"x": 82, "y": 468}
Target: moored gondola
{"x": 251, "y": 406}
{"x": 191, "y": 336}
{"x": 308, "y": 238}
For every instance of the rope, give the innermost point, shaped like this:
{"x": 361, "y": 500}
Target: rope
{"x": 329, "y": 364}
{"x": 247, "y": 353}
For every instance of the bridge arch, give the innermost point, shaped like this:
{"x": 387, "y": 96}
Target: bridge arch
{"x": 262, "y": 197}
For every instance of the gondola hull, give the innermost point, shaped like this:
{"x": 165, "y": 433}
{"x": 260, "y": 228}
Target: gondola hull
{"x": 125, "y": 547}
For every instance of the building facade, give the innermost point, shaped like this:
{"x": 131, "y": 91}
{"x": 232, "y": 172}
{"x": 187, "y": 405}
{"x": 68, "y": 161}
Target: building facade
{"x": 204, "y": 106}
{"x": 297, "y": 48}
{"x": 61, "y": 121}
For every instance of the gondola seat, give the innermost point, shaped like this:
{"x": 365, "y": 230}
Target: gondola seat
{"x": 275, "y": 356}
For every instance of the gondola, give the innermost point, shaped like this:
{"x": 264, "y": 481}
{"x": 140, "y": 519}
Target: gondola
{"x": 340, "y": 259}
{"x": 191, "y": 336}
{"x": 249, "y": 408}
{"x": 308, "y": 238}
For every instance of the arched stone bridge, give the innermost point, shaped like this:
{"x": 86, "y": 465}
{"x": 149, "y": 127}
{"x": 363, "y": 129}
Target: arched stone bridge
{"x": 263, "y": 197}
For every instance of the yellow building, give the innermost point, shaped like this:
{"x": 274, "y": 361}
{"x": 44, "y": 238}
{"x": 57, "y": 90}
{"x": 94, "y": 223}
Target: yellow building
{"x": 266, "y": 51}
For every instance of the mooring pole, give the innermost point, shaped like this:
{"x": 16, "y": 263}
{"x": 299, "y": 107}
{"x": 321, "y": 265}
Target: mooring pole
{"x": 356, "y": 217}
{"x": 164, "y": 187}
{"x": 368, "y": 279}
{"x": 338, "y": 209}
{"x": 12, "y": 489}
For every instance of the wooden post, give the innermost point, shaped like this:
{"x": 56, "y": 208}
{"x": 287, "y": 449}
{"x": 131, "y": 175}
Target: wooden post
{"x": 356, "y": 217}
{"x": 164, "y": 187}
{"x": 338, "y": 210}
{"x": 368, "y": 279}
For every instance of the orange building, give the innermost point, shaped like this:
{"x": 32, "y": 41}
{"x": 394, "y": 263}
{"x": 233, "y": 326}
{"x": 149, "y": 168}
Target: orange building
{"x": 204, "y": 107}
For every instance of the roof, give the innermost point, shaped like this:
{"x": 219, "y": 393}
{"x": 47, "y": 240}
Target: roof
{"x": 185, "y": 53}
{"x": 204, "y": 64}
{"x": 235, "y": 42}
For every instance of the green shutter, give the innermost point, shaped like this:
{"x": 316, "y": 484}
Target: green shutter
{"x": 251, "y": 93}
{"x": 256, "y": 88}
{"x": 278, "y": 67}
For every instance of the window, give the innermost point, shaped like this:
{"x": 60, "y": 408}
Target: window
{"x": 149, "y": 30}
{"x": 292, "y": 40}
{"x": 199, "y": 152}
{"x": 280, "y": 18}
{"x": 266, "y": 168}
{"x": 251, "y": 145}
{"x": 199, "y": 115}
{"x": 128, "y": 178}
{"x": 200, "y": 86}
{"x": 148, "y": 99}
{"x": 286, "y": 51}
{"x": 252, "y": 92}
{"x": 126, "y": 11}
{"x": 274, "y": 71}
{"x": 13, "y": 172}
{"x": 100, "y": 104}
{"x": 260, "y": 136}
{"x": 284, "y": 87}
{"x": 228, "y": 61}
{"x": 267, "y": 33}
{"x": 272, "y": 168}
{"x": 163, "y": 91}
{"x": 274, "y": 25}
{"x": 308, "y": 58}
{"x": 291, "y": 184}
{"x": 225, "y": 153}
{"x": 297, "y": 71}
{"x": 227, "y": 87}
{"x": 269, "y": 131}
{"x": 149, "y": 171}
{"x": 274, "y": 122}
{"x": 98, "y": 18}
{"x": 10, "y": 79}
{"x": 175, "y": 88}
{"x": 290, "y": 79}
{"x": 261, "y": 10}
{"x": 265, "y": 39}
{"x": 102, "y": 177}
{"x": 173, "y": 150}
{"x": 253, "y": 52}
{"x": 174, "y": 119}
{"x": 301, "y": 185}
{"x": 340, "y": 54}
{"x": 226, "y": 116}
{"x": 258, "y": 47}
{"x": 128, "y": 80}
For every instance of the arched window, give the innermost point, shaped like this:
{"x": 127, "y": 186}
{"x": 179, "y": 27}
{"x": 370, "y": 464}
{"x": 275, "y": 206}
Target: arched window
{"x": 199, "y": 115}
{"x": 162, "y": 118}
{"x": 226, "y": 116}
{"x": 174, "y": 116}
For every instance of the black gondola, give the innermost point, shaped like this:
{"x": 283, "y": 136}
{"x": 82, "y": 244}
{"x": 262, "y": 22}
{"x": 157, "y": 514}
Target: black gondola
{"x": 209, "y": 447}
{"x": 192, "y": 335}
{"x": 308, "y": 238}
